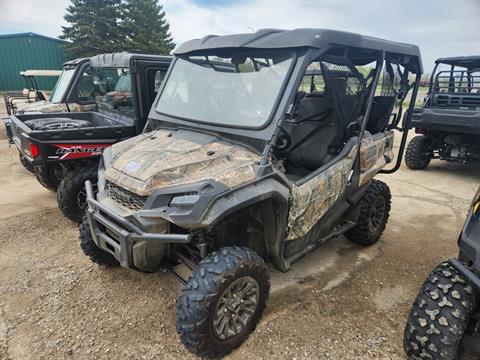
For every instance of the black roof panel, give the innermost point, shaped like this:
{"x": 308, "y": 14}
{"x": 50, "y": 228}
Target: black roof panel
{"x": 466, "y": 61}
{"x": 278, "y": 39}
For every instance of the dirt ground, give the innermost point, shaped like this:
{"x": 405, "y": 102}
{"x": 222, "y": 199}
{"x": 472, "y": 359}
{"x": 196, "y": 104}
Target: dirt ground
{"x": 340, "y": 302}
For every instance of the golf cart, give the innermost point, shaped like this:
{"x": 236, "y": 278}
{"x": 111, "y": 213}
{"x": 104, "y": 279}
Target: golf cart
{"x": 444, "y": 322}
{"x": 31, "y": 93}
{"x": 260, "y": 147}
{"x": 449, "y": 121}
{"x": 64, "y": 148}
{"x": 75, "y": 82}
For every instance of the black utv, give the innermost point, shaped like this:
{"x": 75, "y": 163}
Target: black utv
{"x": 260, "y": 147}
{"x": 449, "y": 121}
{"x": 64, "y": 148}
{"x": 444, "y": 323}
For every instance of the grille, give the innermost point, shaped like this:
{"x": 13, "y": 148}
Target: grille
{"x": 124, "y": 197}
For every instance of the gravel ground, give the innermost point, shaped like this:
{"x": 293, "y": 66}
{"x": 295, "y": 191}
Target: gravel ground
{"x": 340, "y": 302}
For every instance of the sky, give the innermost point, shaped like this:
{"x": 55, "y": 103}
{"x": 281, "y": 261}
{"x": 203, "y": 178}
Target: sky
{"x": 440, "y": 27}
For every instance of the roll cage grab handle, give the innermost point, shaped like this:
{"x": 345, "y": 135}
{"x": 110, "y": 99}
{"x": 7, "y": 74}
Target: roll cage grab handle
{"x": 405, "y": 126}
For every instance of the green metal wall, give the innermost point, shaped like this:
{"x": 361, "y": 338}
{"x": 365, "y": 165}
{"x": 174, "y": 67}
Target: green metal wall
{"x": 29, "y": 51}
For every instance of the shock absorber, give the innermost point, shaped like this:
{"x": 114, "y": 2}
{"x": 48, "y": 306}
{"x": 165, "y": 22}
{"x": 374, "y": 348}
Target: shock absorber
{"x": 202, "y": 244}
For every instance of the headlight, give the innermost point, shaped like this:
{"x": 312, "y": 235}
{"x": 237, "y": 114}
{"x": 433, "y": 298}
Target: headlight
{"x": 185, "y": 200}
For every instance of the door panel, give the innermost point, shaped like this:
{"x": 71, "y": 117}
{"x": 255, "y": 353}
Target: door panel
{"x": 312, "y": 199}
{"x": 375, "y": 153}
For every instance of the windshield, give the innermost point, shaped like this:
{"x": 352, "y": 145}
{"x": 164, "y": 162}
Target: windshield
{"x": 113, "y": 89}
{"x": 61, "y": 86}
{"x": 235, "y": 91}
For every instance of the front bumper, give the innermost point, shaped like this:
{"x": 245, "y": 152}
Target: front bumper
{"x": 133, "y": 247}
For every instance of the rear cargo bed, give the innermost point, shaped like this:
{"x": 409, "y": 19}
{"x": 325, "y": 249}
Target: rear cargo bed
{"x": 448, "y": 120}
{"x": 106, "y": 129}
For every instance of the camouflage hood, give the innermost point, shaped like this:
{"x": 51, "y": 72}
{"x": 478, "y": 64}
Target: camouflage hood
{"x": 165, "y": 158}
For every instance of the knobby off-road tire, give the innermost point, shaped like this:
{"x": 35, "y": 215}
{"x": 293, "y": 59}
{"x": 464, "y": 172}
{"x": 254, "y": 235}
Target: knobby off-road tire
{"x": 89, "y": 248}
{"x": 439, "y": 316}
{"x": 374, "y": 213}
{"x": 25, "y": 163}
{"x": 48, "y": 176}
{"x": 201, "y": 313}
{"x": 71, "y": 194}
{"x": 419, "y": 153}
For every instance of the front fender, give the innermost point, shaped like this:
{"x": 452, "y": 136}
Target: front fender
{"x": 273, "y": 198}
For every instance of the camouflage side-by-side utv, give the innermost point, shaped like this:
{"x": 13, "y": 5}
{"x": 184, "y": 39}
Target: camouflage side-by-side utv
{"x": 444, "y": 323}
{"x": 260, "y": 147}
{"x": 449, "y": 121}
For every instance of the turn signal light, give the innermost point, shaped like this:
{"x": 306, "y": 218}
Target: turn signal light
{"x": 34, "y": 150}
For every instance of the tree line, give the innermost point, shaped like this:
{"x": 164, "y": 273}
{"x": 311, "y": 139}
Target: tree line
{"x": 103, "y": 26}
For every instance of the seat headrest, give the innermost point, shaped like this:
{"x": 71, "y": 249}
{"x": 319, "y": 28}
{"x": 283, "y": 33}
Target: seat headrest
{"x": 312, "y": 106}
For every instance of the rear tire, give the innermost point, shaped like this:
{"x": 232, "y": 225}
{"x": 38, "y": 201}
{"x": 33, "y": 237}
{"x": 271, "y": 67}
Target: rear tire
{"x": 222, "y": 301}
{"x": 71, "y": 194}
{"x": 419, "y": 153}
{"x": 440, "y": 316}
{"x": 90, "y": 249}
{"x": 374, "y": 213}
{"x": 49, "y": 176}
{"x": 25, "y": 163}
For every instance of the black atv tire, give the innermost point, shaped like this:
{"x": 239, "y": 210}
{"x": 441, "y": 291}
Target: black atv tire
{"x": 96, "y": 255}
{"x": 57, "y": 123}
{"x": 25, "y": 163}
{"x": 440, "y": 316}
{"x": 375, "y": 207}
{"x": 71, "y": 194}
{"x": 48, "y": 176}
{"x": 199, "y": 304}
{"x": 419, "y": 153}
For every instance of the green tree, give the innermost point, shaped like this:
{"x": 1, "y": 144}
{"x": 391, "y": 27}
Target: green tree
{"x": 94, "y": 27}
{"x": 146, "y": 28}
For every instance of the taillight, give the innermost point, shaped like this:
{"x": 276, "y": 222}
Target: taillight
{"x": 34, "y": 150}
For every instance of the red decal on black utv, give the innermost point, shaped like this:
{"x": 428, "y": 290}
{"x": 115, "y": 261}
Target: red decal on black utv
{"x": 75, "y": 151}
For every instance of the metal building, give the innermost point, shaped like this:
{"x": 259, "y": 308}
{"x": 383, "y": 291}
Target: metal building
{"x": 29, "y": 51}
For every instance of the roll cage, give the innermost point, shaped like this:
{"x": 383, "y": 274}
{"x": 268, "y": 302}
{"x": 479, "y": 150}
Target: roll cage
{"x": 347, "y": 52}
{"x": 461, "y": 78}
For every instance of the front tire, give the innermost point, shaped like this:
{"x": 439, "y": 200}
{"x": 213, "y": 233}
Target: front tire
{"x": 222, "y": 301}
{"x": 90, "y": 249}
{"x": 71, "y": 194}
{"x": 419, "y": 153}
{"x": 374, "y": 213}
{"x": 440, "y": 316}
